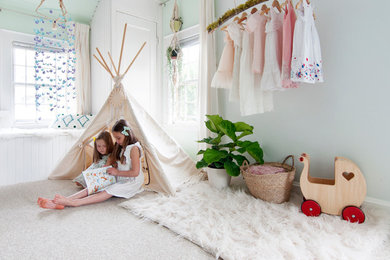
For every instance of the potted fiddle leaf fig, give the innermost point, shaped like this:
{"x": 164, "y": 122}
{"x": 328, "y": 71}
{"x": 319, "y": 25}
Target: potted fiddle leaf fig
{"x": 226, "y": 158}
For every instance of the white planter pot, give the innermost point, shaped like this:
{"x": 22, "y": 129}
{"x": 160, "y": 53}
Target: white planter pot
{"x": 218, "y": 178}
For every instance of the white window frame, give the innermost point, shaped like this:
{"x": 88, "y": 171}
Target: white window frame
{"x": 183, "y": 35}
{"x": 7, "y": 93}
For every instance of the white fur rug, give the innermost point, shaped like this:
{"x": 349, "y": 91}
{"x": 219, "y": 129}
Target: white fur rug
{"x": 234, "y": 225}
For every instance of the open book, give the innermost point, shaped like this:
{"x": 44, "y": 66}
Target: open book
{"x": 97, "y": 179}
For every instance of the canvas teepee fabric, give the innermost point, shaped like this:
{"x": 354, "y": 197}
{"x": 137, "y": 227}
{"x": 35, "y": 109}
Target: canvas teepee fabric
{"x": 168, "y": 166}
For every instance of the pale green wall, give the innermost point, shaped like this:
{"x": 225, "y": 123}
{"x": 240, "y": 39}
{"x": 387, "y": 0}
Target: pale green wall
{"x": 348, "y": 114}
{"x": 17, "y": 22}
{"x": 188, "y": 10}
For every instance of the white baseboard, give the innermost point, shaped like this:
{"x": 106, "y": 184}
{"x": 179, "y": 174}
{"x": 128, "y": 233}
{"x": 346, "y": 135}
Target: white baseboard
{"x": 381, "y": 203}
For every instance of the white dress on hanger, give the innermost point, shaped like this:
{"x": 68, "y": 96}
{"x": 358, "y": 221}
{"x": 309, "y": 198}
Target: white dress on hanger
{"x": 306, "y": 61}
{"x": 224, "y": 75}
{"x": 252, "y": 99}
{"x": 235, "y": 32}
{"x": 271, "y": 79}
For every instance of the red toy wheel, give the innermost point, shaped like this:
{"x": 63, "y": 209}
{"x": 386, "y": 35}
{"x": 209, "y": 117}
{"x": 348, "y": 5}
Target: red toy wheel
{"x": 311, "y": 208}
{"x": 353, "y": 214}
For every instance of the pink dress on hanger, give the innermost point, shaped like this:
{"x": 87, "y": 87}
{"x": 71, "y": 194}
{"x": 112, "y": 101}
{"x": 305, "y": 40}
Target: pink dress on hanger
{"x": 224, "y": 75}
{"x": 271, "y": 79}
{"x": 288, "y": 34}
{"x": 256, "y": 24}
{"x": 252, "y": 99}
{"x": 306, "y": 61}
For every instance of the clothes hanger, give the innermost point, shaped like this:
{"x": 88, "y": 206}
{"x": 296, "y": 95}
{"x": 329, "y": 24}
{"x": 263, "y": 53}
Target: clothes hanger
{"x": 254, "y": 10}
{"x": 298, "y": 4}
{"x": 308, "y": 2}
{"x": 264, "y": 9}
{"x": 276, "y": 4}
{"x": 284, "y": 4}
{"x": 224, "y": 28}
{"x": 244, "y": 16}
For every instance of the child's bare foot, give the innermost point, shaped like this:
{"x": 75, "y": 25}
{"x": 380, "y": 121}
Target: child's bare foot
{"x": 59, "y": 199}
{"x": 39, "y": 200}
{"x": 49, "y": 204}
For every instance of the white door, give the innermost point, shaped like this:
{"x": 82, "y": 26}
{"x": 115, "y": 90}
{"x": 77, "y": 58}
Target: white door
{"x": 140, "y": 81}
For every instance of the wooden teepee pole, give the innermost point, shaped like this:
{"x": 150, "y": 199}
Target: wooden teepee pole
{"x": 101, "y": 56}
{"x": 101, "y": 63}
{"x": 123, "y": 42}
{"x": 113, "y": 65}
{"x": 143, "y": 45}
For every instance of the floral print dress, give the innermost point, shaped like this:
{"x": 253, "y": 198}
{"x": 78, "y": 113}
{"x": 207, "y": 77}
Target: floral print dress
{"x": 306, "y": 61}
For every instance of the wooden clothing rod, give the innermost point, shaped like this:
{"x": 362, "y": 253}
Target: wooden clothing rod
{"x": 233, "y": 12}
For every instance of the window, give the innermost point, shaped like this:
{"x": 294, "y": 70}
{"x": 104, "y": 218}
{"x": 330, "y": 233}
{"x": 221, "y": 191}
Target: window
{"x": 183, "y": 96}
{"x": 42, "y": 87}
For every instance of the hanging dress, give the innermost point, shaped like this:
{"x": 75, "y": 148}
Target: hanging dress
{"x": 235, "y": 33}
{"x": 306, "y": 61}
{"x": 288, "y": 34}
{"x": 252, "y": 99}
{"x": 224, "y": 75}
{"x": 256, "y": 24}
{"x": 271, "y": 79}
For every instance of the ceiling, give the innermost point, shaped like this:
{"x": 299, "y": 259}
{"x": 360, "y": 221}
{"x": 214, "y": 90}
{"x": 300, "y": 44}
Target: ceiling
{"x": 79, "y": 10}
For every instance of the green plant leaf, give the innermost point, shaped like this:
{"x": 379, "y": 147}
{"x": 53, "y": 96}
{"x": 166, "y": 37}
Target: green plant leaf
{"x": 211, "y": 156}
{"x": 239, "y": 159}
{"x": 231, "y": 168}
{"x": 228, "y": 129}
{"x": 211, "y": 126}
{"x": 218, "y": 165}
{"x": 207, "y": 140}
{"x": 241, "y": 127}
{"x": 241, "y": 150}
{"x": 244, "y": 133}
{"x": 256, "y": 152}
{"x": 217, "y": 139}
{"x": 228, "y": 145}
{"x": 201, "y": 164}
{"x": 216, "y": 147}
{"x": 201, "y": 152}
{"x": 244, "y": 144}
{"x": 215, "y": 120}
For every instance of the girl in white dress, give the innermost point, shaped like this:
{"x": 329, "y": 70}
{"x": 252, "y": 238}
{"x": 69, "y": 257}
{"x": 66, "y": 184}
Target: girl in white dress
{"x": 127, "y": 153}
{"x": 306, "y": 61}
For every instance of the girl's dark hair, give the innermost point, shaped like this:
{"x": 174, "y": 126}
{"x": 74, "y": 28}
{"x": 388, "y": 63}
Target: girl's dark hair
{"x": 129, "y": 139}
{"x": 106, "y": 137}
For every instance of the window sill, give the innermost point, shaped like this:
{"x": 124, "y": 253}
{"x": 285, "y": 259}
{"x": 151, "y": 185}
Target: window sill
{"x": 24, "y": 125}
{"x": 7, "y": 133}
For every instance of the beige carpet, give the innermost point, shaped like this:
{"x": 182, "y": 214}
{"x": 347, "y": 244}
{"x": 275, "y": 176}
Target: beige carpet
{"x": 101, "y": 231}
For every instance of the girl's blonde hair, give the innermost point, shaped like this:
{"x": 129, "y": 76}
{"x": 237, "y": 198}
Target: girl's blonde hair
{"x": 129, "y": 139}
{"x": 106, "y": 137}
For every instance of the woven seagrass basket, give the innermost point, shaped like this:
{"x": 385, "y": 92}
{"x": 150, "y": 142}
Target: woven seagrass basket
{"x": 275, "y": 187}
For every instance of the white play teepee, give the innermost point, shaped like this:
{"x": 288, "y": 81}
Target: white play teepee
{"x": 165, "y": 164}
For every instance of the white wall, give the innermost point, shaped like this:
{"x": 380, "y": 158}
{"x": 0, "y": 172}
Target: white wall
{"x": 347, "y": 115}
{"x": 101, "y": 83}
{"x": 103, "y": 36}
